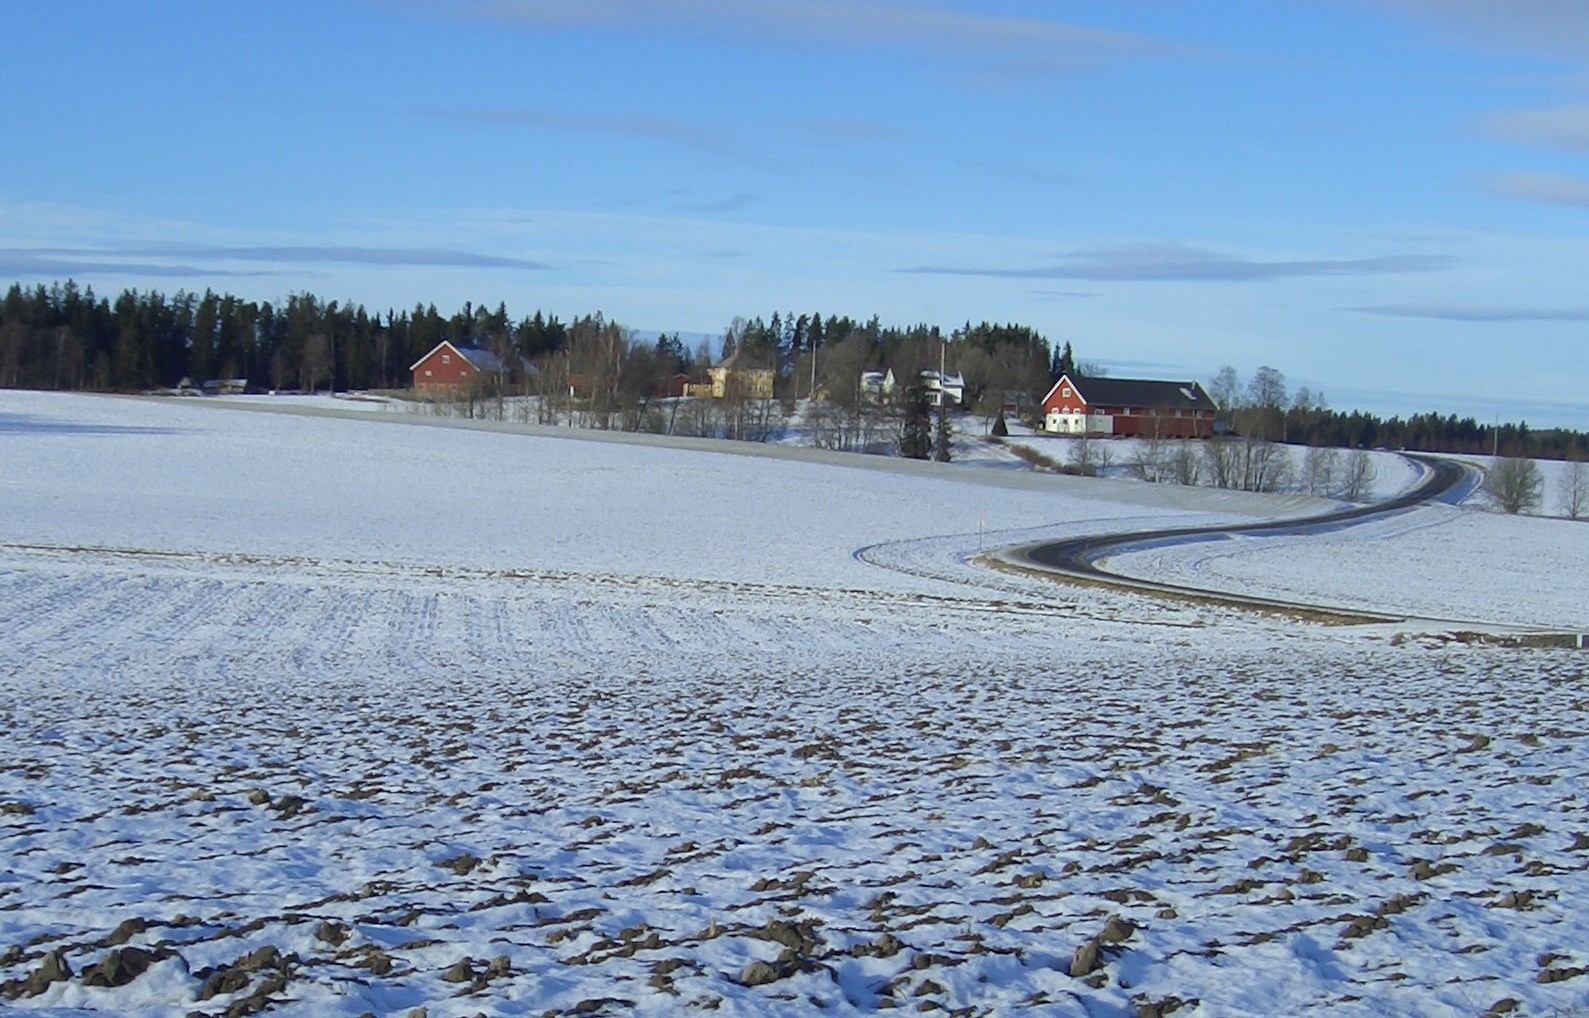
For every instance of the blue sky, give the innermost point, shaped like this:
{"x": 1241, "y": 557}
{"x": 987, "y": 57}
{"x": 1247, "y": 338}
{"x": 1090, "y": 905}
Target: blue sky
{"x": 1385, "y": 199}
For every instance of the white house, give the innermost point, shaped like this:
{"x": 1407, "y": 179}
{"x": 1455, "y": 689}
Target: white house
{"x": 877, "y": 386}
{"x": 948, "y": 387}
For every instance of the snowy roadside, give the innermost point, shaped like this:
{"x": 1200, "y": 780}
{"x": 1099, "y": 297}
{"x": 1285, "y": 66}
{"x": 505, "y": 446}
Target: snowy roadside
{"x": 1434, "y": 562}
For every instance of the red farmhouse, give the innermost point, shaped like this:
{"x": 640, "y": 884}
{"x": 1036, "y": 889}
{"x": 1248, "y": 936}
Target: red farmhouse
{"x": 1128, "y": 406}
{"x": 448, "y": 369}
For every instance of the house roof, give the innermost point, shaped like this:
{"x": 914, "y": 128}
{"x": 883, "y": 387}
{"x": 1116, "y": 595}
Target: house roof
{"x": 485, "y": 360}
{"x": 482, "y": 360}
{"x": 745, "y": 360}
{"x": 1137, "y": 392}
{"x": 949, "y": 379}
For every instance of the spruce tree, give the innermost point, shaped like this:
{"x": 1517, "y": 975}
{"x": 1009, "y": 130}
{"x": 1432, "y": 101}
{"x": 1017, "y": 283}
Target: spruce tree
{"x": 915, "y": 432}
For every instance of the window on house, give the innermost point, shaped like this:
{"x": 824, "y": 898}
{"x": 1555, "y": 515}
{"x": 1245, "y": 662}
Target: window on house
{"x": 1065, "y": 393}
{"x": 446, "y": 358}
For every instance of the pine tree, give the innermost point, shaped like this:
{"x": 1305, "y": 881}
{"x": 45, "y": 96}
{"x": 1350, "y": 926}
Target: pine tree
{"x": 915, "y": 432}
{"x": 1062, "y": 363}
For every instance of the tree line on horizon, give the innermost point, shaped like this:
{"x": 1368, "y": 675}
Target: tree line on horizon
{"x": 1263, "y": 408}
{"x": 65, "y": 337}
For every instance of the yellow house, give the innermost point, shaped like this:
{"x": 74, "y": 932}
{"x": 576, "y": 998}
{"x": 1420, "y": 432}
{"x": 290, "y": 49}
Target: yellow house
{"x": 731, "y": 376}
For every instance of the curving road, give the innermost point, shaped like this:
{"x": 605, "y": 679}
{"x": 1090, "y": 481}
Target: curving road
{"x": 1443, "y": 480}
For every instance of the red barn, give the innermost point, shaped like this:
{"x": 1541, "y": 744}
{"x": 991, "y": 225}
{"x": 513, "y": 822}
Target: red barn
{"x": 448, "y": 369}
{"x": 1128, "y": 406}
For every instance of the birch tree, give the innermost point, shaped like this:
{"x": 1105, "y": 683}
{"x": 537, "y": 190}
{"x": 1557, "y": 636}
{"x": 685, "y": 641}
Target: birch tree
{"x": 1575, "y": 489}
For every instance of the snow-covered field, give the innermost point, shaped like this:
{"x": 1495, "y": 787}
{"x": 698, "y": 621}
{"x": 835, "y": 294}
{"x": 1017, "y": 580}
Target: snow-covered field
{"x": 330, "y": 716}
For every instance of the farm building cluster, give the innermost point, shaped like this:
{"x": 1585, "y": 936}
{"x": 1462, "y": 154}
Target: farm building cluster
{"x": 1076, "y": 405}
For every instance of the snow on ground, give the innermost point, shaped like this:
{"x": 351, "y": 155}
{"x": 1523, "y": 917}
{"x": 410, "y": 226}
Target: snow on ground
{"x": 973, "y": 444}
{"x": 334, "y": 717}
{"x": 180, "y": 475}
{"x": 372, "y": 402}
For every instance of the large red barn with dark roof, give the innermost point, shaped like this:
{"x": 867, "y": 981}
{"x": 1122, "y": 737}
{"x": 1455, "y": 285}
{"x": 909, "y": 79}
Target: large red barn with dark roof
{"x": 449, "y": 369}
{"x": 1128, "y": 406}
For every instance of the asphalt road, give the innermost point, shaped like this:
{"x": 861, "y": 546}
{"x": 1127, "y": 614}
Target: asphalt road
{"x": 1443, "y": 480}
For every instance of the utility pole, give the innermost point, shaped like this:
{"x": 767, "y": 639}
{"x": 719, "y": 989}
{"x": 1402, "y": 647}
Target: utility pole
{"x": 941, "y": 372}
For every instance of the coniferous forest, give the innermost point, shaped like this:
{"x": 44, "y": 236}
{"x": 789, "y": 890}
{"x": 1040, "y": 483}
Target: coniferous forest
{"x": 66, "y": 337}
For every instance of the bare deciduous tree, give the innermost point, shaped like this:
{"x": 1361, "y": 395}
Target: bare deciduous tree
{"x": 826, "y": 427}
{"x": 1223, "y": 390}
{"x": 1266, "y": 466}
{"x": 1514, "y": 483}
{"x": 1088, "y": 457}
{"x": 1148, "y": 454}
{"x": 1320, "y": 464}
{"x": 1575, "y": 489}
{"x": 1181, "y": 466}
{"x": 1221, "y": 463}
{"x": 1357, "y": 476}
{"x": 696, "y": 418}
{"x": 550, "y": 387}
{"x": 316, "y": 362}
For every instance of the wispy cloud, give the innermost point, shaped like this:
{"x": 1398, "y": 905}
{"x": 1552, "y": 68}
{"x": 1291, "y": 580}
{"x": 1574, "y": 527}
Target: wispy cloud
{"x": 114, "y": 257}
{"x": 1545, "y": 188}
{"x": 655, "y": 129}
{"x": 731, "y": 203}
{"x": 1177, "y": 262}
{"x": 198, "y": 261}
{"x": 25, "y": 263}
{"x": 1554, "y": 28}
{"x": 842, "y": 133}
{"x": 395, "y": 256}
{"x": 1020, "y": 44}
{"x": 1477, "y": 313}
{"x": 834, "y": 134}
{"x": 1564, "y": 128}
